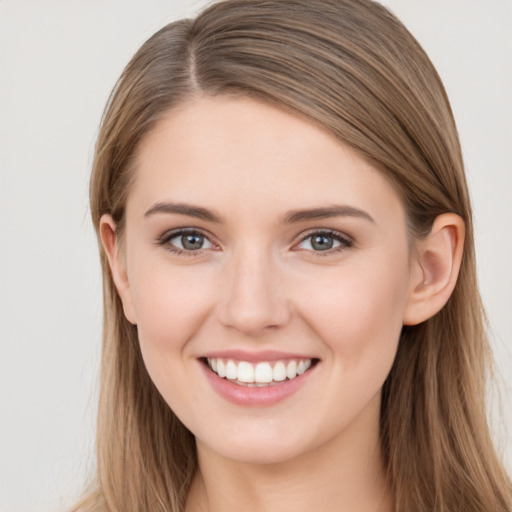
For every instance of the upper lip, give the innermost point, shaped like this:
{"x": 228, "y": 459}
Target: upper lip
{"x": 255, "y": 356}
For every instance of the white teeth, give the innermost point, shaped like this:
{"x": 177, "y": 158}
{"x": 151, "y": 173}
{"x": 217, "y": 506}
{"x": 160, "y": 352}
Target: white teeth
{"x": 279, "y": 372}
{"x": 291, "y": 369}
{"x": 221, "y": 369}
{"x": 245, "y": 372}
{"x": 262, "y": 374}
{"x": 231, "y": 370}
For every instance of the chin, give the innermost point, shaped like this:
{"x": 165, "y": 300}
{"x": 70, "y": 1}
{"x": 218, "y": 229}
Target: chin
{"x": 274, "y": 447}
{"x": 260, "y": 455}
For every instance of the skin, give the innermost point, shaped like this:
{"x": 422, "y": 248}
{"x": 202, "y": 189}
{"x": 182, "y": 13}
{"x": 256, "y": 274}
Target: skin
{"x": 258, "y": 283}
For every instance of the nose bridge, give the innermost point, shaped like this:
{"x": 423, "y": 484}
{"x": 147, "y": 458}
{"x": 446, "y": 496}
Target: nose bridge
{"x": 253, "y": 298}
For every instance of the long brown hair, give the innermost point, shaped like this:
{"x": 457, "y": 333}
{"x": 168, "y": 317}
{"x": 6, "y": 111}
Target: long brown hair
{"x": 353, "y": 69}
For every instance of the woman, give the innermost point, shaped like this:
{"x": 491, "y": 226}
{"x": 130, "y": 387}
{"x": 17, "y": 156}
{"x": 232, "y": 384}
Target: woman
{"x": 291, "y": 310}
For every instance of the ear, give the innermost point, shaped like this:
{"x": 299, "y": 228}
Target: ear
{"x": 435, "y": 268}
{"x": 117, "y": 265}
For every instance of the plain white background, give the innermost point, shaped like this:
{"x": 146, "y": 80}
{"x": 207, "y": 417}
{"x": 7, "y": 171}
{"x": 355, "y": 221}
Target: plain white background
{"x": 58, "y": 62}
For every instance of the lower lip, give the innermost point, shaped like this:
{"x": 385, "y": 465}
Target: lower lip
{"x": 255, "y": 396}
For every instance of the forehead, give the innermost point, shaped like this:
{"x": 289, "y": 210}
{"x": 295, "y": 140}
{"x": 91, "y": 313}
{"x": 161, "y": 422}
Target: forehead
{"x": 240, "y": 153}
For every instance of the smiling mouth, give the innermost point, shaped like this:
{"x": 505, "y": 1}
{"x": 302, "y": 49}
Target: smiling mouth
{"x": 262, "y": 374}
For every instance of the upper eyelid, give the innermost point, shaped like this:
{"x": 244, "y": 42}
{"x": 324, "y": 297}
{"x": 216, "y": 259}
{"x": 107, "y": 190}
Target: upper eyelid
{"x": 331, "y": 232}
{"x": 168, "y": 235}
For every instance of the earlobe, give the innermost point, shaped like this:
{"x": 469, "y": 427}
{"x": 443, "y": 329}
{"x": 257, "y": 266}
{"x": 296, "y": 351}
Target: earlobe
{"x": 117, "y": 265}
{"x": 436, "y": 268}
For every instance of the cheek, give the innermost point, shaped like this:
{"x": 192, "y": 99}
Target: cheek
{"x": 171, "y": 307}
{"x": 358, "y": 312}
{"x": 169, "y": 301}
{"x": 358, "y": 319}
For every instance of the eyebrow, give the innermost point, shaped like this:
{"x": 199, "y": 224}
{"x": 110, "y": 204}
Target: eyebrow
{"x": 326, "y": 213}
{"x": 184, "y": 209}
{"x": 292, "y": 217}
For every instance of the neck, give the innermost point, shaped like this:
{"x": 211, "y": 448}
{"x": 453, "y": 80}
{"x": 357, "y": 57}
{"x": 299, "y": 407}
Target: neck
{"x": 344, "y": 474}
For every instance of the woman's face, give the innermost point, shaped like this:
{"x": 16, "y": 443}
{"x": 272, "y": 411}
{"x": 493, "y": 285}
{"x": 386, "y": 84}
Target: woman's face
{"x": 256, "y": 243}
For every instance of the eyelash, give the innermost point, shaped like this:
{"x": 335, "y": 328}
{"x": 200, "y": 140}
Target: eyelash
{"x": 344, "y": 240}
{"x": 167, "y": 237}
{"x": 164, "y": 241}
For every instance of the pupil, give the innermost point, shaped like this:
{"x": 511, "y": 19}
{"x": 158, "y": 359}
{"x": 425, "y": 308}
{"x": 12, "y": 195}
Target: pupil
{"x": 322, "y": 243}
{"x": 192, "y": 242}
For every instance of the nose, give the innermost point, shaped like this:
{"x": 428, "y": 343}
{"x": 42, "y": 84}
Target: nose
{"x": 253, "y": 299}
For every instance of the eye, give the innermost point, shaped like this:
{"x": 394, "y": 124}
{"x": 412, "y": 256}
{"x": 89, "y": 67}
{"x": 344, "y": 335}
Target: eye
{"x": 185, "y": 240}
{"x": 324, "y": 241}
